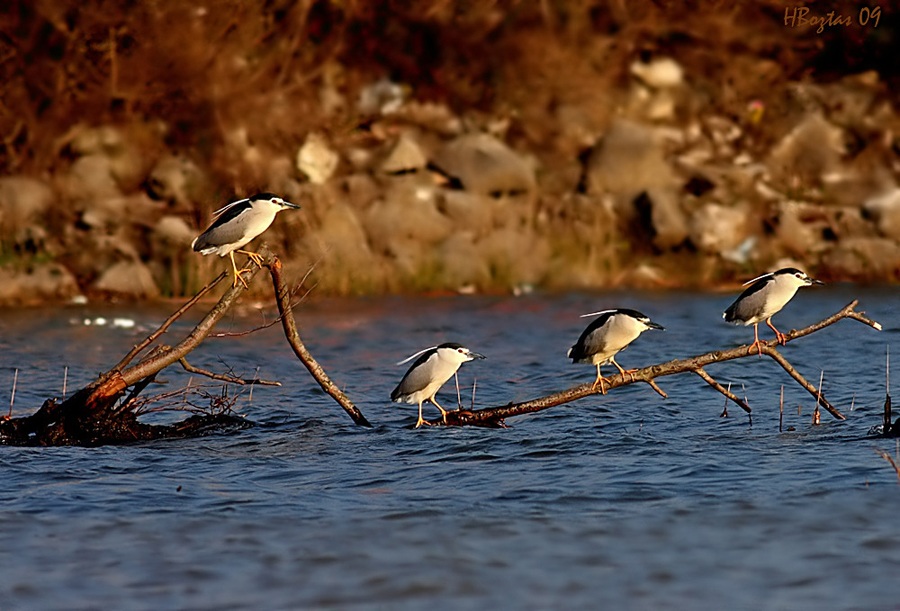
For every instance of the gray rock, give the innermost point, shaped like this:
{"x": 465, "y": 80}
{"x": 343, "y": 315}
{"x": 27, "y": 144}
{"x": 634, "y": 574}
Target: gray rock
{"x": 864, "y": 259}
{"x": 360, "y": 190}
{"x": 670, "y": 224}
{"x": 178, "y": 180}
{"x": 41, "y": 283}
{"x": 461, "y": 262}
{"x": 885, "y": 211}
{"x": 405, "y": 156}
{"x": 811, "y": 150}
{"x": 343, "y": 239}
{"x": 515, "y": 256}
{"x": 173, "y": 232}
{"x": 628, "y": 161}
{"x": 799, "y": 229}
{"x": 468, "y": 211}
{"x": 128, "y": 278}
{"x": 129, "y": 152}
{"x": 108, "y": 213}
{"x": 406, "y": 214}
{"x": 483, "y": 164}
{"x": 715, "y": 228}
{"x": 24, "y": 203}
{"x": 91, "y": 177}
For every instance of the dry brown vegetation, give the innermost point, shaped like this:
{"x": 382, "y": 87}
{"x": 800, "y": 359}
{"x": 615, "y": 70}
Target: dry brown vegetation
{"x": 205, "y": 70}
{"x": 237, "y": 87}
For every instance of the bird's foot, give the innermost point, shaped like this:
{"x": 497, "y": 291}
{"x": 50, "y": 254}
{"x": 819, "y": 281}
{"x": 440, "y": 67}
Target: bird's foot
{"x": 781, "y": 337}
{"x": 254, "y": 256}
{"x": 758, "y": 345}
{"x": 627, "y": 372}
{"x": 422, "y": 421}
{"x": 239, "y": 278}
{"x": 599, "y": 381}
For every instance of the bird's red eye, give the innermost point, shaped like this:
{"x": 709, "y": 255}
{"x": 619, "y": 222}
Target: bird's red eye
{"x": 460, "y": 350}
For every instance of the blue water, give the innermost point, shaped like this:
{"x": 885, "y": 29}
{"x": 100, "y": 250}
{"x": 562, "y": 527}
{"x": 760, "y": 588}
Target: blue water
{"x": 627, "y": 501}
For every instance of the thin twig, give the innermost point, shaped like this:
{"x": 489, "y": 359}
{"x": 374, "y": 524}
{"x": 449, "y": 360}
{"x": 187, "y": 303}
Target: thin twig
{"x": 890, "y": 459}
{"x": 781, "y": 410}
{"x": 712, "y": 382}
{"x": 168, "y": 322}
{"x": 225, "y": 377}
{"x": 12, "y": 397}
{"x": 294, "y": 304}
{"x": 820, "y": 400}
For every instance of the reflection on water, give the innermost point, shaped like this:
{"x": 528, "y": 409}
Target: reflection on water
{"x": 627, "y": 499}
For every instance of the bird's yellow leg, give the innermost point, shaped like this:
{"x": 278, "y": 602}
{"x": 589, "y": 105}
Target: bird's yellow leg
{"x": 624, "y": 372}
{"x": 443, "y": 411}
{"x": 421, "y": 420}
{"x": 254, "y": 256}
{"x": 237, "y": 273}
{"x": 600, "y": 380}
{"x": 781, "y": 337}
{"x": 755, "y": 343}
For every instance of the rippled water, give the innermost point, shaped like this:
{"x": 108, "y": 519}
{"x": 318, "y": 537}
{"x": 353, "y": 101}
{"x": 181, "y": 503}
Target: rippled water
{"x": 626, "y": 501}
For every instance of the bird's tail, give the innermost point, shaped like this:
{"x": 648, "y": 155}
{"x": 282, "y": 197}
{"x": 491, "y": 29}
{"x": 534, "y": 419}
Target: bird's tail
{"x": 728, "y": 314}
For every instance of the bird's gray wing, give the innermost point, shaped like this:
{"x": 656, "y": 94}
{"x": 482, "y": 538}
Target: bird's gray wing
{"x": 749, "y": 303}
{"x": 417, "y": 377}
{"x": 228, "y": 228}
{"x": 591, "y": 340}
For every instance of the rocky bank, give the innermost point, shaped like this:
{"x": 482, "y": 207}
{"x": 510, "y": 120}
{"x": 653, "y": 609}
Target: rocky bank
{"x": 648, "y": 182}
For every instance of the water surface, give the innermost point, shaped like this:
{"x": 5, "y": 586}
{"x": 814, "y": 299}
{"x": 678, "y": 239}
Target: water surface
{"x": 626, "y": 501}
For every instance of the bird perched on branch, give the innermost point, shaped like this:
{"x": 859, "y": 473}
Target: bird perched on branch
{"x": 431, "y": 370}
{"x": 236, "y": 224}
{"x": 606, "y": 336}
{"x": 764, "y": 298}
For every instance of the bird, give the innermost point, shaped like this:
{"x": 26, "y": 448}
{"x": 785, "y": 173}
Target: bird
{"x": 431, "y": 370}
{"x": 236, "y": 224}
{"x": 764, "y": 298}
{"x": 606, "y": 336}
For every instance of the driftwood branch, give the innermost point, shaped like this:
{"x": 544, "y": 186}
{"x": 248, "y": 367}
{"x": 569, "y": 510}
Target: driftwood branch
{"x": 495, "y": 416}
{"x": 101, "y": 413}
{"x": 285, "y": 311}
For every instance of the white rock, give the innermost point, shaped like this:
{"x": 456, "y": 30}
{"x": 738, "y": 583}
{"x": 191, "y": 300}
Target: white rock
{"x": 316, "y": 159}
{"x": 659, "y": 73}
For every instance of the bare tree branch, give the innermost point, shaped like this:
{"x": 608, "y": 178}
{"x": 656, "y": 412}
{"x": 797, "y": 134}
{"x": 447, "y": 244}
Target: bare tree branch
{"x": 283, "y": 298}
{"x": 709, "y": 380}
{"x": 495, "y": 416}
{"x": 168, "y": 322}
{"x": 820, "y": 400}
{"x": 225, "y": 377}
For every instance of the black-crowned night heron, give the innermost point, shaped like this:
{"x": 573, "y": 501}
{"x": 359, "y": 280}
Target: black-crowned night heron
{"x": 764, "y": 298}
{"x": 236, "y": 224}
{"x": 606, "y": 336}
{"x": 431, "y": 370}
